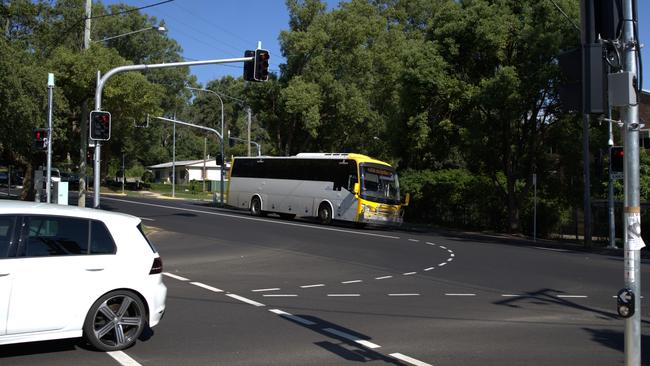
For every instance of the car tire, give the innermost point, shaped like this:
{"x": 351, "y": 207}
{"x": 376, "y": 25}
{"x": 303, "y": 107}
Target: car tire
{"x": 115, "y": 321}
{"x": 325, "y": 213}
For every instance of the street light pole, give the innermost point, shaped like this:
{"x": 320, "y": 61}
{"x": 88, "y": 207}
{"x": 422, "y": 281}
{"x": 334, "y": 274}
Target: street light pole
{"x": 223, "y": 157}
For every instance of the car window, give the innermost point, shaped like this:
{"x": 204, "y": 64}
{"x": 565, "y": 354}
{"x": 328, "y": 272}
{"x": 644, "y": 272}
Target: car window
{"x": 55, "y": 236}
{"x": 7, "y": 224}
{"x": 101, "y": 241}
{"x": 153, "y": 247}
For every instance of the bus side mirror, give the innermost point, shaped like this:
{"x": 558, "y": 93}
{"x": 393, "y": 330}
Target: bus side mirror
{"x": 407, "y": 200}
{"x": 356, "y": 188}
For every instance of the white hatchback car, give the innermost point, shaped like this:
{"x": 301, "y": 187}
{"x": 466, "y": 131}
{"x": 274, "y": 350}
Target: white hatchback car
{"x": 68, "y": 272}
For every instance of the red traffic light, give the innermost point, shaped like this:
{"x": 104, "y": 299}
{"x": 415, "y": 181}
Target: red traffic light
{"x": 261, "y": 65}
{"x": 100, "y": 125}
{"x": 616, "y": 159}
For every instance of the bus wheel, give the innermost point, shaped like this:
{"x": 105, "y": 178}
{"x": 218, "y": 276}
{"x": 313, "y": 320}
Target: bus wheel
{"x": 325, "y": 213}
{"x": 256, "y": 207}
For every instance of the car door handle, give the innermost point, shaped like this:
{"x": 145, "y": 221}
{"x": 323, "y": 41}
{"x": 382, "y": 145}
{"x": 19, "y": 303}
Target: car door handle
{"x": 94, "y": 269}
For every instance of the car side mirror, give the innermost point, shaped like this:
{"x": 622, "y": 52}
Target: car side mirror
{"x": 407, "y": 199}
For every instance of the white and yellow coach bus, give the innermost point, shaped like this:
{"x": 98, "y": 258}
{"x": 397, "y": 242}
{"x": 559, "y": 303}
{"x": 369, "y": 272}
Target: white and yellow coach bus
{"x": 346, "y": 187}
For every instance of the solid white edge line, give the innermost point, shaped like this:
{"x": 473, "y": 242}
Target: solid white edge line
{"x": 123, "y": 359}
{"x": 353, "y": 281}
{"x": 383, "y": 277}
{"x": 171, "y": 275}
{"x": 254, "y": 219}
{"x": 203, "y": 285}
{"x": 362, "y": 342}
{"x": 310, "y": 286}
{"x": 292, "y": 317}
{"x": 408, "y": 359}
{"x": 266, "y": 289}
{"x": 243, "y": 299}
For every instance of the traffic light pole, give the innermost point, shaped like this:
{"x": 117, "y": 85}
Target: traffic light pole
{"x": 632, "y": 208}
{"x": 101, "y": 81}
{"x": 50, "y": 101}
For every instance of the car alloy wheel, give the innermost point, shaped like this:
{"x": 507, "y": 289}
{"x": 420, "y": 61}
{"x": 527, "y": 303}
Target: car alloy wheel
{"x": 115, "y": 321}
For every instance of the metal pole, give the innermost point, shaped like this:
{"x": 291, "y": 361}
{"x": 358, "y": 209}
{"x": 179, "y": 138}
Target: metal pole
{"x": 83, "y": 130}
{"x": 50, "y": 101}
{"x": 174, "y": 160}
{"x": 123, "y": 174}
{"x": 223, "y": 156}
{"x": 205, "y": 150}
{"x": 586, "y": 180}
{"x": 610, "y": 184}
{"x": 535, "y": 207}
{"x": 98, "y": 154}
{"x": 632, "y": 207}
{"x": 248, "y": 110}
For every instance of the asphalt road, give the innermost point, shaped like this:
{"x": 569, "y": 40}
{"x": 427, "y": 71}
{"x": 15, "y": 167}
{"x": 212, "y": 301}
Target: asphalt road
{"x": 267, "y": 291}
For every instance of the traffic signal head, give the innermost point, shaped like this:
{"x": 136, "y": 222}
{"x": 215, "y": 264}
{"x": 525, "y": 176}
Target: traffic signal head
{"x": 40, "y": 138}
{"x": 100, "y": 125}
{"x": 261, "y": 67}
{"x": 249, "y": 66}
{"x": 616, "y": 159}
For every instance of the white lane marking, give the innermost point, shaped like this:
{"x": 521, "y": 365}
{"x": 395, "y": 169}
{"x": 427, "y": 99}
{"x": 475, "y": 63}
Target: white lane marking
{"x": 452, "y": 255}
{"x": 443, "y": 247}
{"x": 414, "y": 240}
{"x": 343, "y": 295}
{"x": 147, "y": 219}
{"x": 430, "y": 268}
{"x": 243, "y": 299}
{"x": 352, "y": 281}
{"x": 460, "y": 294}
{"x": 316, "y": 285}
{"x": 430, "y": 243}
{"x": 292, "y": 317}
{"x": 266, "y": 289}
{"x": 572, "y": 296}
{"x": 408, "y": 359}
{"x": 280, "y": 295}
{"x": 510, "y": 295}
{"x": 277, "y": 222}
{"x": 409, "y": 273}
{"x": 442, "y": 264}
{"x": 355, "y": 339}
{"x": 383, "y": 277}
{"x": 553, "y": 249}
{"x": 175, "y": 276}
{"x": 403, "y": 294}
{"x": 203, "y": 285}
{"x": 450, "y": 259}
{"x": 123, "y": 359}
{"x": 450, "y": 251}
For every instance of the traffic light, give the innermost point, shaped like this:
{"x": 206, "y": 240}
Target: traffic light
{"x": 261, "y": 69}
{"x": 40, "y": 138}
{"x": 616, "y": 159}
{"x": 249, "y": 66}
{"x": 100, "y": 125}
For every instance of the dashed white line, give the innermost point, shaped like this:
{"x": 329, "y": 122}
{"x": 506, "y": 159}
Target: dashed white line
{"x": 430, "y": 243}
{"x": 430, "y": 268}
{"x": 460, "y": 294}
{"x": 408, "y": 359}
{"x": 414, "y": 240}
{"x": 403, "y": 294}
{"x": 203, "y": 285}
{"x": 343, "y": 295}
{"x": 442, "y": 264}
{"x": 443, "y": 247}
{"x": 123, "y": 359}
{"x": 316, "y": 285}
{"x": 352, "y": 281}
{"x": 266, "y": 289}
{"x": 510, "y": 295}
{"x": 409, "y": 273}
{"x": 243, "y": 299}
{"x": 292, "y": 317}
{"x": 450, "y": 259}
{"x": 280, "y": 295}
{"x": 572, "y": 296}
{"x": 383, "y": 277}
{"x": 353, "y": 338}
{"x": 175, "y": 276}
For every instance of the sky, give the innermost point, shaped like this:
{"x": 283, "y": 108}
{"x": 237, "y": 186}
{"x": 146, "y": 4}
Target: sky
{"x": 217, "y": 29}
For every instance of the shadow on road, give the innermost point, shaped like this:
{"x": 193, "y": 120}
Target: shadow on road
{"x": 615, "y": 340}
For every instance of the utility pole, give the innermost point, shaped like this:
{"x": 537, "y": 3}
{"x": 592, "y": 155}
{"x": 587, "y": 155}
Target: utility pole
{"x": 174, "y": 160}
{"x": 83, "y": 128}
{"x": 632, "y": 207}
{"x": 50, "y": 101}
{"x": 248, "y": 111}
